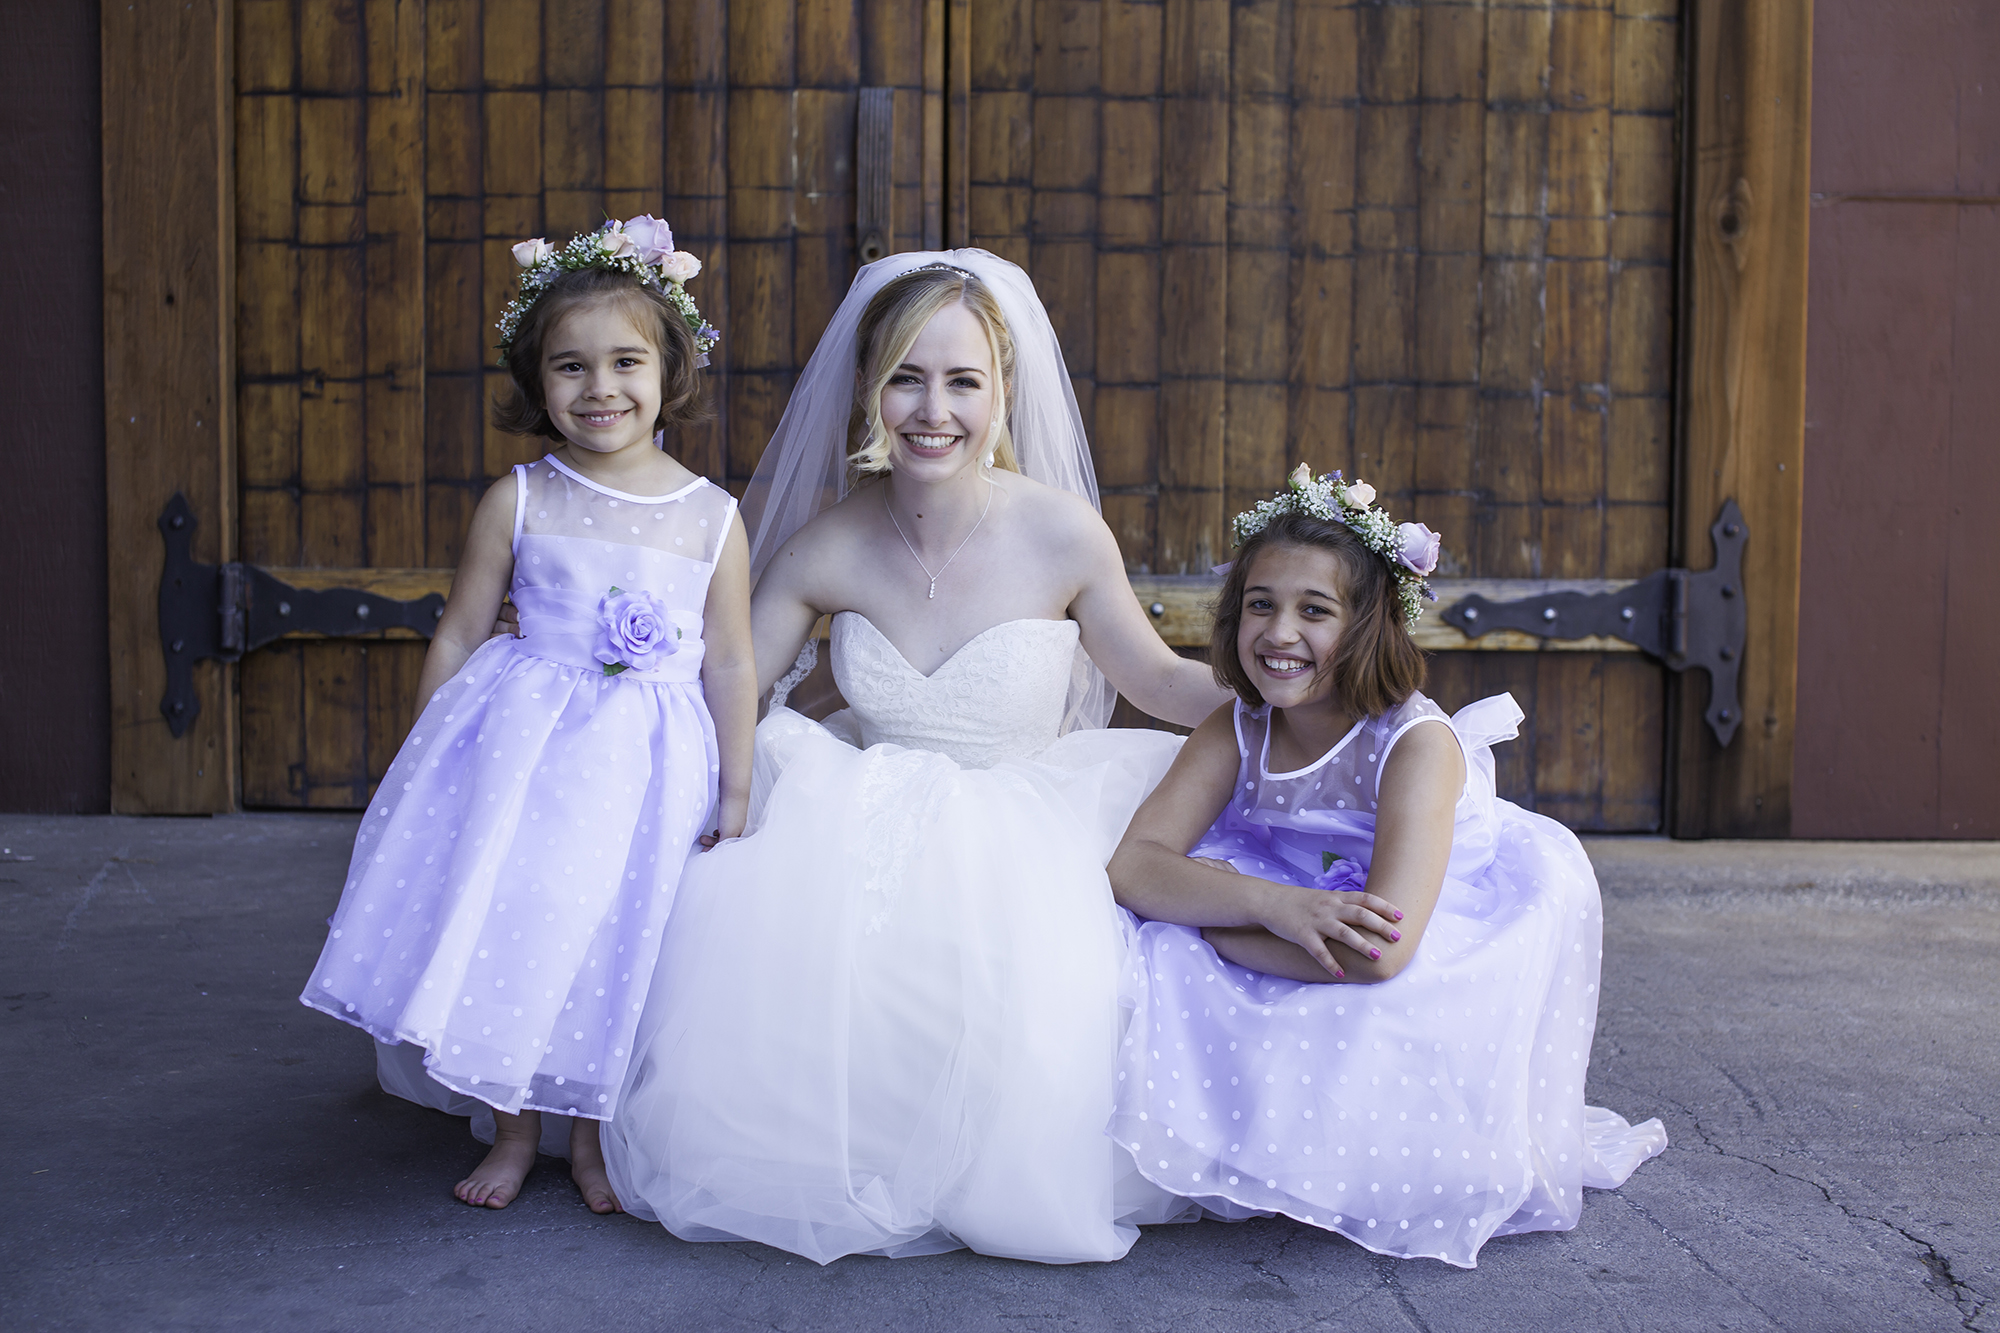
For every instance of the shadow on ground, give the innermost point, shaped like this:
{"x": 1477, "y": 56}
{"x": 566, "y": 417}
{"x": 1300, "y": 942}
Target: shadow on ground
{"x": 189, "y": 1148}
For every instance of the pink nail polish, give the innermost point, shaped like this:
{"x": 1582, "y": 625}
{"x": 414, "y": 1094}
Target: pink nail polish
{"x": 1374, "y": 953}
{"x": 1399, "y": 916}
{"x": 1396, "y": 935}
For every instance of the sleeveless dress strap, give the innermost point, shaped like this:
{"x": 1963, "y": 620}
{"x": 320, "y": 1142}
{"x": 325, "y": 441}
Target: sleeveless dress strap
{"x": 520, "y": 500}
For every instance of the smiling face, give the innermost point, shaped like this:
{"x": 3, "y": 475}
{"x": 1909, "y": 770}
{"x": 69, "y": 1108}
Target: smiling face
{"x": 940, "y": 400}
{"x": 1294, "y": 610}
{"x": 601, "y": 379}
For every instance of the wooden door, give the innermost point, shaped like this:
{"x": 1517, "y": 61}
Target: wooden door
{"x": 1431, "y": 244}
{"x": 389, "y": 154}
{"x": 1440, "y": 245}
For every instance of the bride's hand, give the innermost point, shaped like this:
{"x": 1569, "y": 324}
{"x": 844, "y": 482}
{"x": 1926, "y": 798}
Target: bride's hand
{"x": 508, "y": 622}
{"x": 1315, "y": 918}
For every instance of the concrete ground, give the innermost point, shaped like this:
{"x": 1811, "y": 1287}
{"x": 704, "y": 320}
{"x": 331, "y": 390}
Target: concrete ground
{"x": 188, "y": 1148}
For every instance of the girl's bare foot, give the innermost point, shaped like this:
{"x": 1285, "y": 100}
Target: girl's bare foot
{"x": 497, "y": 1179}
{"x": 586, "y": 1167}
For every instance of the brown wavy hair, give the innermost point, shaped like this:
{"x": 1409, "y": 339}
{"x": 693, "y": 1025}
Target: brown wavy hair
{"x": 1375, "y": 666}
{"x": 521, "y": 410}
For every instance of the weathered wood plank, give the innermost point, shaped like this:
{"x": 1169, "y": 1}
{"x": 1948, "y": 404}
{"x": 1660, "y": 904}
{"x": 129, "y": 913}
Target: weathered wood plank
{"x": 394, "y": 328}
{"x": 1743, "y": 389}
{"x": 169, "y": 377}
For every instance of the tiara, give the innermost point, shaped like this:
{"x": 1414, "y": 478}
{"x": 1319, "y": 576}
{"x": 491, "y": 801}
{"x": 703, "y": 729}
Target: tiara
{"x": 1409, "y": 549}
{"x": 642, "y": 248}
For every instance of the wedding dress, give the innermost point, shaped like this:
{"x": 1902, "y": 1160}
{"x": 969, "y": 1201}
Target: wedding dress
{"x": 887, "y": 1019}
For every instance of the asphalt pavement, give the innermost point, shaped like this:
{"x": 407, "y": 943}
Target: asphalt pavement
{"x": 187, "y": 1147}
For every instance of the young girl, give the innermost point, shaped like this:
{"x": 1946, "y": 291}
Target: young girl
{"x": 512, "y": 877}
{"x": 1335, "y": 825}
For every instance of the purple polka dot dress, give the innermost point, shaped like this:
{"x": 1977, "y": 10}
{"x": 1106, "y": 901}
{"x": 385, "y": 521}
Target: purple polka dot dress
{"x": 512, "y": 876}
{"x": 1418, "y": 1116}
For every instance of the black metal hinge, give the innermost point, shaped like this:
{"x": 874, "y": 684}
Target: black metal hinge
{"x": 225, "y": 611}
{"x": 1683, "y": 617}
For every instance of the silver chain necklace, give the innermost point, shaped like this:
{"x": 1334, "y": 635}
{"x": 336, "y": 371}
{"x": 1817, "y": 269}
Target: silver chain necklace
{"x": 887, "y": 509}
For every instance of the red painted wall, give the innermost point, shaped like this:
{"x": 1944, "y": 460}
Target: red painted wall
{"x": 1899, "y": 615}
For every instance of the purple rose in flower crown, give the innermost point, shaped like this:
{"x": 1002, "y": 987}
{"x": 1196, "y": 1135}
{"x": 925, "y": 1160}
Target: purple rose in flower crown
{"x": 652, "y": 238}
{"x": 1418, "y": 548}
{"x": 636, "y": 631}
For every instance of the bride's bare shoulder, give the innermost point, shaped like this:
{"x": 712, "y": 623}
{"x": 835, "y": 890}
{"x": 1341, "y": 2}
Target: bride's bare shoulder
{"x": 831, "y": 531}
{"x": 1057, "y": 517}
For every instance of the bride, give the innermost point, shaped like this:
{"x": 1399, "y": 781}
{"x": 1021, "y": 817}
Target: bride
{"x": 886, "y": 1019}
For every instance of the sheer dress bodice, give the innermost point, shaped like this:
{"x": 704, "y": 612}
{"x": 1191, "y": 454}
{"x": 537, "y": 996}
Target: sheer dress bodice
{"x": 1000, "y": 696}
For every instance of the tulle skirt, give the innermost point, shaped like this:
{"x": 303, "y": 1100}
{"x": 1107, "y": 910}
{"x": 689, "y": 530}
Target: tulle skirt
{"x": 887, "y": 1019}
{"x": 1418, "y": 1116}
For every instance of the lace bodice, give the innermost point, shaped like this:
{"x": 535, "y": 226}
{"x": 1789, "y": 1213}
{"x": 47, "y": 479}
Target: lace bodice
{"x": 998, "y": 697}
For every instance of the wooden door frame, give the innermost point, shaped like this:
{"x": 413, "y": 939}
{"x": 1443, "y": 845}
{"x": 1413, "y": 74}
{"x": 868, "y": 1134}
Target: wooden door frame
{"x": 169, "y": 376}
{"x": 1741, "y": 388}
{"x": 169, "y": 355}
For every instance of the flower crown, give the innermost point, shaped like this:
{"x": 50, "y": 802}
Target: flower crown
{"x": 1409, "y": 549}
{"x": 643, "y": 248}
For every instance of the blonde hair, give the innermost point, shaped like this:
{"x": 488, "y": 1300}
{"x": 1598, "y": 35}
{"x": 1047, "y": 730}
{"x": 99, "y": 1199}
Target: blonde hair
{"x": 891, "y": 325}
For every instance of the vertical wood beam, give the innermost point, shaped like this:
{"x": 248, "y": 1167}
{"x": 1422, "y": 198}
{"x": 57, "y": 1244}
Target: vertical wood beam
{"x": 957, "y": 149}
{"x": 1742, "y": 388}
{"x": 169, "y": 377}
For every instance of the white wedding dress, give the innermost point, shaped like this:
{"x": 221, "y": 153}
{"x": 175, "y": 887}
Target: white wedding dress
{"x": 887, "y": 1020}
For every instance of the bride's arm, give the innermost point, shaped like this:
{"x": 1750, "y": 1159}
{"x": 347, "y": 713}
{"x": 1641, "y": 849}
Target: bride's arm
{"x": 783, "y": 610}
{"x": 1123, "y": 643}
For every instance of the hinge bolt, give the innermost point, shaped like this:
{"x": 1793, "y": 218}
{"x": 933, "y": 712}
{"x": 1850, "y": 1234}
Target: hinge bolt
{"x": 1725, "y": 654}
{"x": 180, "y": 520}
{"x": 284, "y": 608}
{"x": 1626, "y": 613}
{"x": 1471, "y": 613}
{"x": 1728, "y": 590}
{"x": 179, "y": 644}
{"x": 1158, "y": 609}
{"x": 1548, "y": 613}
{"x": 361, "y": 611}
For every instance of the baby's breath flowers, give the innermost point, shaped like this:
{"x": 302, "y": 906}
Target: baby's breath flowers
{"x": 1410, "y": 549}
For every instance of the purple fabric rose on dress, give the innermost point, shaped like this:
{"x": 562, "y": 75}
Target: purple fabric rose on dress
{"x": 636, "y": 631}
{"x": 653, "y": 238}
{"x": 1343, "y": 876}
{"x": 1418, "y": 548}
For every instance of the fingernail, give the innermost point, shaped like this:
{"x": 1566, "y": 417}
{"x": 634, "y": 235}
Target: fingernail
{"x": 1340, "y": 976}
{"x": 1396, "y": 935}
{"x": 1399, "y": 916}
{"x": 1374, "y": 953}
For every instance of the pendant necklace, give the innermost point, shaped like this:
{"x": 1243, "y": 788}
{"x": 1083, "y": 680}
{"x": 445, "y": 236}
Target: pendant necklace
{"x": 913, "y": 550}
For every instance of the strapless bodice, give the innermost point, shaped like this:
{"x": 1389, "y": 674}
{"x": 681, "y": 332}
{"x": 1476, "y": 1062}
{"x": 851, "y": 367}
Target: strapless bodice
{"x": 1000, "y": 696}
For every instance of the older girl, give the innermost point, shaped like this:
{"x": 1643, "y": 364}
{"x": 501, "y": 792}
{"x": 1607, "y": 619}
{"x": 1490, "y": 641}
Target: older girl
{"x": 1335, "y": 826}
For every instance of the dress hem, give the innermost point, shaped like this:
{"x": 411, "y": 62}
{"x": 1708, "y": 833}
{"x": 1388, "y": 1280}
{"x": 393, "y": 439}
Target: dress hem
{"x": 399, "y": 1039}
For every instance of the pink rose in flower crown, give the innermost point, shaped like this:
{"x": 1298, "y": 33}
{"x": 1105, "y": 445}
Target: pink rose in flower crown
{"x": 615, "y": 243}
{"x": 1418, "y": 548}
{"x": 530, "y": 253}
{"x": 636, "y": 631}
{"x": 652, "y": 239}
{"x": 680, "y": 266}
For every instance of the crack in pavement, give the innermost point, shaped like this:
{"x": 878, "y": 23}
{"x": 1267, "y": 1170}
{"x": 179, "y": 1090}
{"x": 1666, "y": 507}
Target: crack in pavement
{"x": 1385, "y": 1268}
{"x": 89, "y": 892}
{"x": 1697, "y": 1257}
{"x": 1942, "y": 1282}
